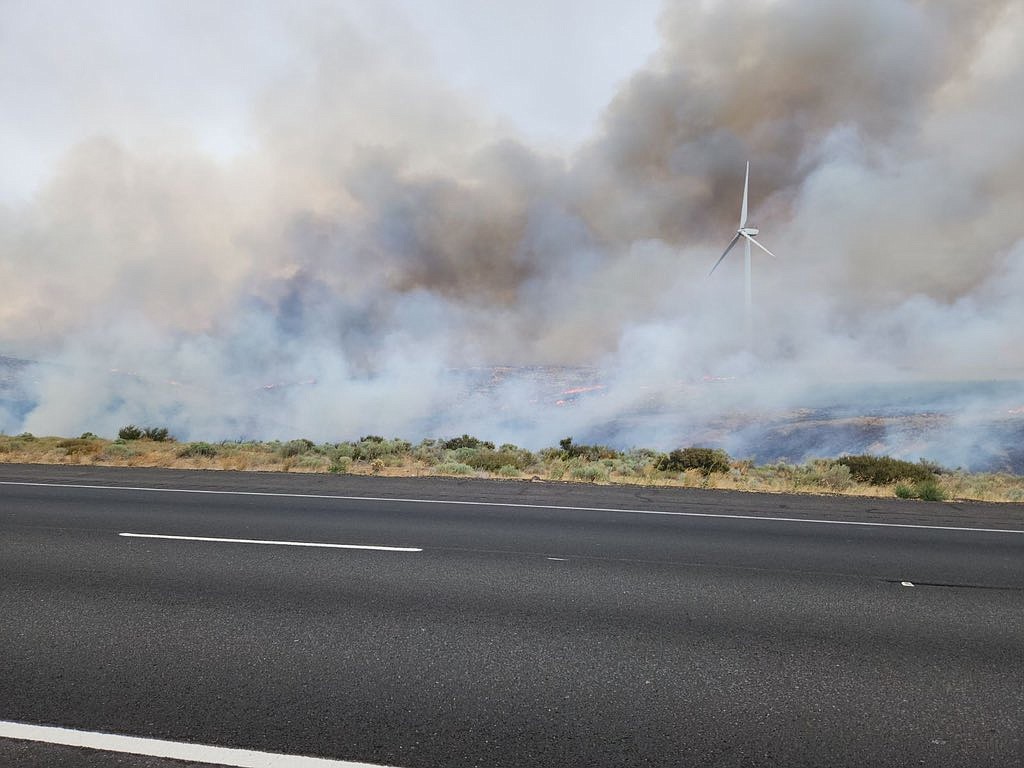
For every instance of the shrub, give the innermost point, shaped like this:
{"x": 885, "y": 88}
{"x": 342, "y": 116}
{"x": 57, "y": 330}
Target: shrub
{"x": 836, "y": 477}
{"x": 706, "y": 460}
{"x": 929, "y": 490}
{"x": 27, "y": 436}
{"x": 590, "y": 472}
{"x": 156, "y": 434}
{"x": 463, "y": 455}
{"x": 429, "y": 451}
{"x": 493, "y": 460}
{"x": 376, "y": 466}
{"x": 571, "y": 450}
{"x": 130, "y": 432}
{"x": 295, "y": 448}
{"x": 883, "y": 470}
{"x": 556, "y": 469}
{"x": 340, "y": 464}
{"x": 904, "y": 491}
{"x": 88, "y": 436}
{"x": 508, "y": 471}
{"x": 454, "y": 468}
{"x": 343, "y": 449}
{"x": 638, "y": 461}
{"x": 934, "y": 467}
{"x": 466, "y": 441}
{"x": 197, "y": 450}
{"x": 117, "y": 451}
{"x": 374, "y": 447}
{"x": 79, "y": 445}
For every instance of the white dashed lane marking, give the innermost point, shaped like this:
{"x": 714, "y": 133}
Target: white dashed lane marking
{"x": 373, "y": 547}
{"x": 172, "y": 750}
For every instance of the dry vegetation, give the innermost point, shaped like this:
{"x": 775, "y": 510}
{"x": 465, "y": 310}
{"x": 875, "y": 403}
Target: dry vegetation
{"x": 469, "y": 457}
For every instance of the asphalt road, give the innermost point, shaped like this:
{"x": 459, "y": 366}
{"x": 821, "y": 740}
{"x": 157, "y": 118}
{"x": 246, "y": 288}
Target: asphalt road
{"x": 737, "y": 630}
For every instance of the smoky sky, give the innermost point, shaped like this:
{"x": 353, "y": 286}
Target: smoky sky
{"x": 378, "y": 232}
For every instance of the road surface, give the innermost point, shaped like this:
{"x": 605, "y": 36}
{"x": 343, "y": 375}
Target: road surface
{"x": 468, "y": 623}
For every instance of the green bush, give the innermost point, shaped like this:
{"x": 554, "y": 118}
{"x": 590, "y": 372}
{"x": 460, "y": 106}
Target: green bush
{"x": 929, "y": 490}
{"x": 590, "y": 472}
{"x": 454, "y": 468}
{"x": 571, "y": 450}
{"x": 429, "y": 452}
{"x": 836, "y": 478}
{"x": 347, "y": 450}
{"x": 340, "y": 464}
{"x": 934, "y": 467}
{"x": 556, "y": 469}
{"x": 156, "y": 434}
{"x": 463, "y": 455}
{"x": 130, "y": 432}
{"x": 883, "y": 470}
{"x": 926, "y": 490}
{"x": 493, "y": 460}
{"x": 197, "y": 450}
{"x": 904, "y": 491}
{"x": 706, "y": 460}
{"x": 466, "y": 441}
{"x": 508, "y": 471}
{"x": 118, "y": 451}
{"x": 88, "y": 436}
{"x": 295, "y": 448}
{"x": 375, "y": 447}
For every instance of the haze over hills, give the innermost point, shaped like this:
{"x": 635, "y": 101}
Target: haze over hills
{"x": 977, "y": 426}
{"x": 381, "y": 247}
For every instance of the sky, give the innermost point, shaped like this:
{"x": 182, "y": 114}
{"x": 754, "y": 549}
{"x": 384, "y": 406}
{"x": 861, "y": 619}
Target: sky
{"x": 144, "y": 71}
{"x": 346, "y": 206}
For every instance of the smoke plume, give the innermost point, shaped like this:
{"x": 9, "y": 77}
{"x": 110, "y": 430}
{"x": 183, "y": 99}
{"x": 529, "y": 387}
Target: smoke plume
{"x": 384, "y": 256}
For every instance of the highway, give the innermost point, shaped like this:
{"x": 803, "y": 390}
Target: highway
{"x": 457, "y": 623}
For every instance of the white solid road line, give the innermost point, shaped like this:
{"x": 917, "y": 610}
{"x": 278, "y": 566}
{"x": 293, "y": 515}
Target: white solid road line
{"x": 173, "y": 750}
{"x": 507, "y": 504}
{"x": 278, "y": 543}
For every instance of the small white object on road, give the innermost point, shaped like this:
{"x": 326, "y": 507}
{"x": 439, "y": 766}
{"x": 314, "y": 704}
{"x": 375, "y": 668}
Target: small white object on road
{"x": 907, "y": 583}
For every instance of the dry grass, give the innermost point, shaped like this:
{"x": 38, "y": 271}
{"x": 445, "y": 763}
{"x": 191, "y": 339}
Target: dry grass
{"x": 429, "y": 459}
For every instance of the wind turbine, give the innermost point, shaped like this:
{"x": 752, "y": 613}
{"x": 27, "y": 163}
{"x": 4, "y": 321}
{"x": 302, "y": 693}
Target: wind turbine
{"x": 748, "y": 234}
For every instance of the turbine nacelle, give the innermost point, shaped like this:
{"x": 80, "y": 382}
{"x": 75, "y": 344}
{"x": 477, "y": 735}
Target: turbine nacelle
{"x": 744, "y": 232}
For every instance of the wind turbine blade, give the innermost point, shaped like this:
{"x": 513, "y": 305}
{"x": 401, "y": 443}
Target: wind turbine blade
{"x": 724, "y": 253}
{"x": 760, "y": 246}
{"x": 743, "y": 211}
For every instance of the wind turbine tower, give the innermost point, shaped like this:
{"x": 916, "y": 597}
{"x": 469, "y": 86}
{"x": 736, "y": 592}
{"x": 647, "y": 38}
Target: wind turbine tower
{"x": 748, "y": 234}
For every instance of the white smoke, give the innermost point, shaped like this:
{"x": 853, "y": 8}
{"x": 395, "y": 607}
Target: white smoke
{"x": 377, "y": 237}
